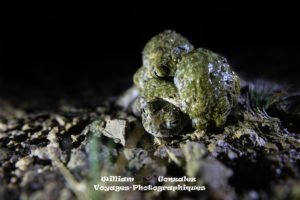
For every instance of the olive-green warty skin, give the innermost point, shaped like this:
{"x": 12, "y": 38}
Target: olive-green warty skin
{"x": 207, "y": 87}
{"x": 203, "y": 86}
{"x": 162, "y": 53}
{"x": 160, "y": 118}
{"x": 152, "y": 88}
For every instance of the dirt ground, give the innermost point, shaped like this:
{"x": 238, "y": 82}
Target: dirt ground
{"x": 61, "y": 149}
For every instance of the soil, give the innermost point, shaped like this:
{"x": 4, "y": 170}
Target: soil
{"x": 61, "y": 149}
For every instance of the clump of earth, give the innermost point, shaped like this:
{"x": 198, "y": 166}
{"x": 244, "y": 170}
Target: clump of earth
{"x": 61, "y": 153}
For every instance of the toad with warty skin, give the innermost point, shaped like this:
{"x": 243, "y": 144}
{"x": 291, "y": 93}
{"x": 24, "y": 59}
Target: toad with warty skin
{"x": 198, "y": 82}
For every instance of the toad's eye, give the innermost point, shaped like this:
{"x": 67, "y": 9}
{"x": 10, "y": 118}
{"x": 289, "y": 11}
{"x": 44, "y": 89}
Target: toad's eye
{"x": 157, "y": 74}
{"x": 172, "y": 124}
{"x": 161, "y": 71}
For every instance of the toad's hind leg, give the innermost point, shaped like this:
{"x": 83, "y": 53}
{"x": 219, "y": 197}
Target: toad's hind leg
{"x": 157, "y": 88}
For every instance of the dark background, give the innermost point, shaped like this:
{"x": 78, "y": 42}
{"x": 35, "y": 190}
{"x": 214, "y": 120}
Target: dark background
{"x": 67, "y": 47}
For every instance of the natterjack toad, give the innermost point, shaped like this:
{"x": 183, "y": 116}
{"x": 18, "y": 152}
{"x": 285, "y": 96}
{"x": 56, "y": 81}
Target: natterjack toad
{"x": 162, "y": 53}
{"x": 160, "y": 118}
{"x": 152, "y": 88}
{"x": 207, "y": 87}
{"x": 204, "y": 87}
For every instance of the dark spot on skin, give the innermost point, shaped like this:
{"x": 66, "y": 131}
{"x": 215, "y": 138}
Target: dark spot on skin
{"x": 223, "y": 68}
{"x": 144, "y": 112}
{"x": 229, "y": 99}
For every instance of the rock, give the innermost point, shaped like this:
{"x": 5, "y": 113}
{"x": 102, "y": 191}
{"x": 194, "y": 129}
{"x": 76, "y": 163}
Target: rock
{"x": 60, "y": 120}
{"x": 137, "y": 158}
{"x": 249, "y": 137}
{"x": 128, "y": 97}
{"x": 215, "y": 174}
{"x": 3, "y": 127}
{"x": 114, "y": 129}
{"x": 193, "y": 153}
{"x": 4, "y": 154}
{"x": 23, "y": 163}
{"x": 3, "y": 136}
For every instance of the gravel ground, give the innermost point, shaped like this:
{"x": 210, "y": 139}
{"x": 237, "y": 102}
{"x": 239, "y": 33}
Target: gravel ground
{"x": 59, "y": 149}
